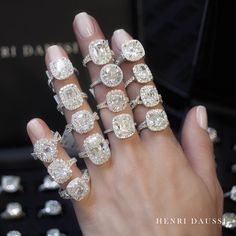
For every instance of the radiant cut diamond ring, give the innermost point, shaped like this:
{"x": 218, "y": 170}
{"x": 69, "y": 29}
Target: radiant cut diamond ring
{"x": 48, "y": 184}
{"x": 131, "y": 50}
{"x": 46, "y": 149}
{"x": 99, "y": 53}
{"x": 141, "y": 74}
{"x": 156, "y": 120}
{"x": 116, "y": 101}
{"x": 111, "y": 75}
{"x": 77, "y": 188}
{"x": 148, "y": 96}
{"x": 123, "y": 126}
{"x": 96, "y": 149}
{"x": 69, "y": 97}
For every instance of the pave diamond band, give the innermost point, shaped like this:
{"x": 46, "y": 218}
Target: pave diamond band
{"x": 99, "y": 53}
{"x": 156, "y": 120}
{"x": 148, "y": 96}
{"x": 46, "y": 149}
{"x": 123, "y": 126}
{"x": 96, "y": 149}
{"x": 116, "y": 101}
{"x": 141, "y": 74}
{"x": 111, "y": 75}
{"x": 77, "y": 188}
{"x": 70, "y": 97}
{"x": 131, "y": 50}
{"x": 60, "y": 170}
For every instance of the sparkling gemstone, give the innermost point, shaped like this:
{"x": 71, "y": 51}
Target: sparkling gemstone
{"x": 60, "y": 171}
{"x": 156, "y": 120}
{"x": 100, "y": 52}
{"x": 111, "y": 75}
{"x": 142, "y": 73}
{"x": 14, "y": 209}
{"x": 132, "y": 50}
{"x": 97, "y": 149}
{"x": 53, "y": 232}
{"x": 45, "y": 150}
{"x": 13, "y": 233}
{"x": 10, "y": 183}
{"x": 49, "y": 184}
{"x": 82, "y": 121}
{"x": 53, "y": 207}
{"x": 61, "y": 68}
{"x": 123, "y": 126}
{"x": 71, "y": 97}
{"x": 229, "y": 220}
{"x": 149, "y": 96}
{"x": 233, "y": 193}
{"x": 116, "y": 100}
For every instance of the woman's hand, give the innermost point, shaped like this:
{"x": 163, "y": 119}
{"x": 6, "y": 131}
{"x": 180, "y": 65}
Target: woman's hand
{"x": 150, "y": 179}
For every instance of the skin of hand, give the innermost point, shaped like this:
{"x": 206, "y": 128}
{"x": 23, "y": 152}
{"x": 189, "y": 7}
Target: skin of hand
{"x": 149, "y": 178}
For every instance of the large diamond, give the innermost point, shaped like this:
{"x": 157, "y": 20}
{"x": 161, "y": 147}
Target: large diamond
{"x": 61, "y": 68}
{"x": 123, "y": 126}
{"x": 116, "y": 100}
{"x": 14, "y": 209}
{"x": 82, "y": 121}
{"x": 97, "y": 149}
{"x": 100, "y": 52}
{"x": 10, "y": 183}
{"x": 142, "y": 73}
{"x": 111, "y": 75}
{"x": 229, "y": 220}
{"x": 71, "y": 97}
{"x": 156, "y": 120}
{"x": 45, "y": 150}
{"x": 149, "y": 96}
{"x": 53, "y": 207}
{"x": 132, "y": 50}
{"x": 60, "y": 171}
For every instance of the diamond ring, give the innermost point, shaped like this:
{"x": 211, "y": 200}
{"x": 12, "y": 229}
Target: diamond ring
{"x": 148, "y": 96}
{"x": 131, "y": 50}
{"x": 48, "y": 184}
{"x": 13, "y": 211}
{"x": 229, "y": 220}
{"x": 13, "y": 233}
{"x": 231, "y": 194}
{"x": 54, "y": 232}
{"x": 123, "y": 126}
{"x": 111, "y": 75}
{"x": 99, "y": 53}
{"x": 69, "y": 97}
{"x": 60, "y": 170}
{"x": 46, "y": 149}
{"x": 78, "y": 188}
{"x": 59, "y": 69}
{"x": 10, "y": 184}
{"x": 51, "y": 208}
{"x": 116, "y": 101}
{"x": 96, "y": 149}
{"x": 141, "y": 74}
{"x": 156, "y": 120}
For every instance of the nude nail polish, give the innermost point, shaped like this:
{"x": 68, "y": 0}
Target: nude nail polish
{"x": 121, "y": 36}
{"x": 84, "y": 25}
{"x": 201, "y": 117}
{"x": 36, "y": 129}
{"x": 55, "y": 52}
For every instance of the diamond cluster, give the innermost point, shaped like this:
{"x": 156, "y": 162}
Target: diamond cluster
{"x": 61, "y": 68}
{"x": 116, "y": 100}
{"x": 156, "y": 120}
{"x": 149, "y": 96}
{"x": 142, "y": 73}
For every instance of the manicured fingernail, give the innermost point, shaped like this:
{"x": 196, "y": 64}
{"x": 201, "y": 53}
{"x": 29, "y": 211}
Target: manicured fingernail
{"x": 201, "y": 116}
{"x": 121, "y": 36}
{"x": 54, "y": 52}
{"x": 84, "y": 25}
{"x": 36, "y": 130}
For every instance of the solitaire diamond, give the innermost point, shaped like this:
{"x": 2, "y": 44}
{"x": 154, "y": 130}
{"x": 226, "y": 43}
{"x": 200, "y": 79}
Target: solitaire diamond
{"x": 83, "y": 121}
{"x": 53, "y": 208}
{"x": 156, "y": 120}
{"x": 111, "y": 75}
{"x": 229, "y": 220}
{"x": 14, "y": 210}
{"x": 123, "y": 126}
{"x": 149, "y": 96}
{"x": 48, "y": 184}
{"x": 97, "y": 149}
{"x": 142, "y": 73}
{"x": 60, "y": 171}
{"x": 61, "y": 68}
{"x": 71, "y": 97}
{"x": 100, "y": 52}
{"x": 10, "y": 184}
{"x": 132, "y": 50}
{"x": 116, "y": 100}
